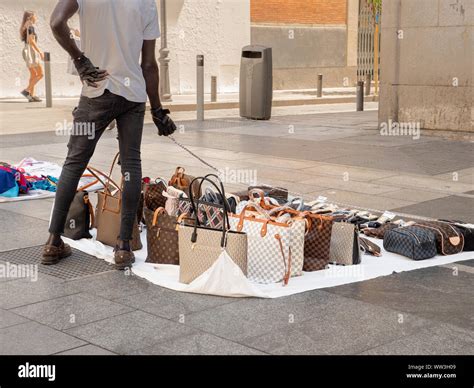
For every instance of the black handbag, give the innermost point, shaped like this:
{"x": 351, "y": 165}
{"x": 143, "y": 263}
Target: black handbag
{"x": 80, "y": 217}
{"x": 411, "y": 241}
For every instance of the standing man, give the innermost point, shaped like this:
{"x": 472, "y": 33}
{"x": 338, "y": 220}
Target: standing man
{"x": 115, "y": 87}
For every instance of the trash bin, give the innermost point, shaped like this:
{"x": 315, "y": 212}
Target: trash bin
{"x": 256, "y": 82}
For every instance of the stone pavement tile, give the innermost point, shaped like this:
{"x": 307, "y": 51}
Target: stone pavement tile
{"x": 294, "y": 188}
{"x": 442, "y": 339}
{"x": 363, "y": 200}
{"x": 463, "y": 176}
{"x": 7, "y": 318}
{"x": 420, "y": 182}
{"x": 112, "y": 285}
{"x": 433, "y": 293}
{"x": 22, "y": 292}
{"x": 347, "y": 326}
{"x": 355, "y": 173}
{"x": 16, "y": 231}
{"x": 198, "y": 344}
{"x": 451, "y": 207}
{"x": 398, "y": 160}
{"x": 414, "y": 195}
{"x": 72, "y": 310}
{"x": 469, "y": 263}
{"x": 341, "y": 183}
{"x": 129, "y": 332}
{"x": 377, "y": 139}
{"x": 86, "y": 350}
{"x": 266, "y": 173}
{"x": 171, "y": 304}
{"x": 254, "y": 317}
{"x": 39, "y": 208}
{"x": 33, "y": 338}
{"x": 273, "y": 162}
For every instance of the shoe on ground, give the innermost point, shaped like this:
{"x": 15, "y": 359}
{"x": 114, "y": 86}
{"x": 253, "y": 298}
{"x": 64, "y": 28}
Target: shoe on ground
{"x": 123, "y": 259}
{"x": 36, "y": 99}
{"x": 27, "y": 95}
{"x": 52, "y": 254}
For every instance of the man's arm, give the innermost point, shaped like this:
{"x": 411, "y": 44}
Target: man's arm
{"x": 63, "y": 11}
{"x": 150, "y": 73}
{"x": 163, "y": 122}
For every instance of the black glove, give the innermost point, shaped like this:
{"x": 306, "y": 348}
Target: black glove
{"x": 88, "y": 72}
{"x": 165, "y": 125}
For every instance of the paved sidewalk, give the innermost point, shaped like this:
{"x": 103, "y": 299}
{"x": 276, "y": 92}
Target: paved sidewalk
{"x": 339, "y": 155}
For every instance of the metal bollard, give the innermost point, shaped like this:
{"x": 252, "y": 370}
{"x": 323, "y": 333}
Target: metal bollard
{"x": 213, "y": 88}
{"x": 320, "y": 85}
{"x": 368, "y": 80}
{"x": 200, "y": 87}
{"x": 47, "y": 80}
{"x": 360, "y": 96}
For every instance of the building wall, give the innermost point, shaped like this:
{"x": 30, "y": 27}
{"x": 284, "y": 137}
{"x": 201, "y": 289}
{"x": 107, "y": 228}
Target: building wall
{"x": 308, "y": 37}
{"x": 427, "y": 75}
{"x": 216, "y": 28}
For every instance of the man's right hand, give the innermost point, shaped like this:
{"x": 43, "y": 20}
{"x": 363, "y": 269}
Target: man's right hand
{"x": 88, "y": 72}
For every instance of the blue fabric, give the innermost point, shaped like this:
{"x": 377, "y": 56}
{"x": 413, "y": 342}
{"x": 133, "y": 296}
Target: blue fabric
{"x": 13, "y": 192}
{"x": 7, "y": 180}
{"x": 48, "y": 184}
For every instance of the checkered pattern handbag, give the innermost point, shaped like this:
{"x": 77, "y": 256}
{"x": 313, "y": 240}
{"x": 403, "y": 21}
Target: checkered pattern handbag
{"x": 411, "y": 241}
{"x": 344, "y": 248}
{"x": 209, "y": 214}
{"x": 275, "y": 249}
{"x": 317, "y": 242}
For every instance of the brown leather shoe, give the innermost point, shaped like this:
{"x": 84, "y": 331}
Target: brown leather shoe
{"x": 123, "y": 259}
{"x": 53, "y": 254}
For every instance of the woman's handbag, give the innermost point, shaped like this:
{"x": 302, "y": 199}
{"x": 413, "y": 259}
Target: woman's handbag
{"x": 153, "y": 194}
{"x": 182, "y": 182}
{"x": 80, "y": 218}
{"x": 411, "y": 241}
{"x": 279, "y": 193}
{"x": 275, "y": 249}
{"x": 200, "y": 246}
{"x": 449, "y": 240}
{"x": 467, "y": 230}
{"x": 317, "y": 242}
{"x": 344, "y": 248}
{"x": 108, "y": 212}
{"x": 162, "y": 237}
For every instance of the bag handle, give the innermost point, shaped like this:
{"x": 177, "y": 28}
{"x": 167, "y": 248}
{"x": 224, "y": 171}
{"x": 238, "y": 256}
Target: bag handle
{"x": 221, "y": 191}
{"x": 261, "y": 194}
{"x": 156, "y": 213}
{"x": 286, "y": 277}
{"x": 98, "y": 174}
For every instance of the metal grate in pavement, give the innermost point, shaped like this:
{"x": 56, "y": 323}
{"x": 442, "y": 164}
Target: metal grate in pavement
{"x": 79, "y": 264}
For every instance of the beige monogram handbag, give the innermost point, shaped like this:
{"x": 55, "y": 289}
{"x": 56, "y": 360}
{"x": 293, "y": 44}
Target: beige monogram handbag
{"x": 344, "y": 247}
{"x": 200, "y": 246}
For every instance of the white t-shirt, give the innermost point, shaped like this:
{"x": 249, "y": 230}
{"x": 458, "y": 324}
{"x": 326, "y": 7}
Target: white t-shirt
{"x": 112, "y": 35}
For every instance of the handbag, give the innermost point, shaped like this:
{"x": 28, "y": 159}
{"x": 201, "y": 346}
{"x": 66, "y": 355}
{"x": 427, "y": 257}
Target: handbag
{"x": 380, "y": 231}
{"x": 108, "y": 212}
{"x": 279, "y": 193}
{"x": 153, "y": 194}
{"x": 162, "y": 237}
{"x": 369, "y": 247}
{"x": 201, "y": 246}
{"x": 317, "y": 242}
{"x": 275, "y": 249}
{"x": 182, "y": 182}
{"x": 344, "y": 247}
{"x": 411, "y": 241}
{"x": 80, "y": 218}
{"x": 467, "y": 230}
{"x": 449, "y": 240}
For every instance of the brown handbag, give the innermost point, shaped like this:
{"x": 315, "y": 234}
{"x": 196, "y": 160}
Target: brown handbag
{"x": 162, "y": 237}
{"x": 317, "y": 242}
{"x": 449, "y": 240}
{"x": 153, "y": 194}
{"x": 182, "y": 181}
{"x": 108, "y": 211}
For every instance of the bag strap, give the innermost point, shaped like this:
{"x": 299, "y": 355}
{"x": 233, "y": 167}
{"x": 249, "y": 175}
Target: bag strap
{"x": 157, "y": 212}
{"x": 286, "y": 277}
{"x": 99, "y": 175}
{"x": 221, "y": 192}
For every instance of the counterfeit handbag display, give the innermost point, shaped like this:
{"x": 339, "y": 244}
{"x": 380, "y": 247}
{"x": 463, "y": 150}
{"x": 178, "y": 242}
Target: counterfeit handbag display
{"x": 344, "y": 247}
{"x": 449, "y": 240}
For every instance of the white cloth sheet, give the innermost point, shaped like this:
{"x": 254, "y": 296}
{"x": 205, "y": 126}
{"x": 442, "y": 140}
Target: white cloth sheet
{"x": 224, "y": 278}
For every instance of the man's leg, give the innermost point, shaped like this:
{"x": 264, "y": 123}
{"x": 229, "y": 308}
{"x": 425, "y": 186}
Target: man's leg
{"x": 130, "y": 128}
{"x": 91, "y": 117}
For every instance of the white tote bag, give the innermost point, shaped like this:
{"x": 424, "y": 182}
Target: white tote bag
{"x": 275, "y": 249}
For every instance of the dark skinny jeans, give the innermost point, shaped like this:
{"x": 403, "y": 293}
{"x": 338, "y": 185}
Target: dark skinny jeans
{"x": 91, "y": 118}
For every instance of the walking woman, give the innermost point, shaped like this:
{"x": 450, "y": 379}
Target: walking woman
{"x": 31, "y": 54}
